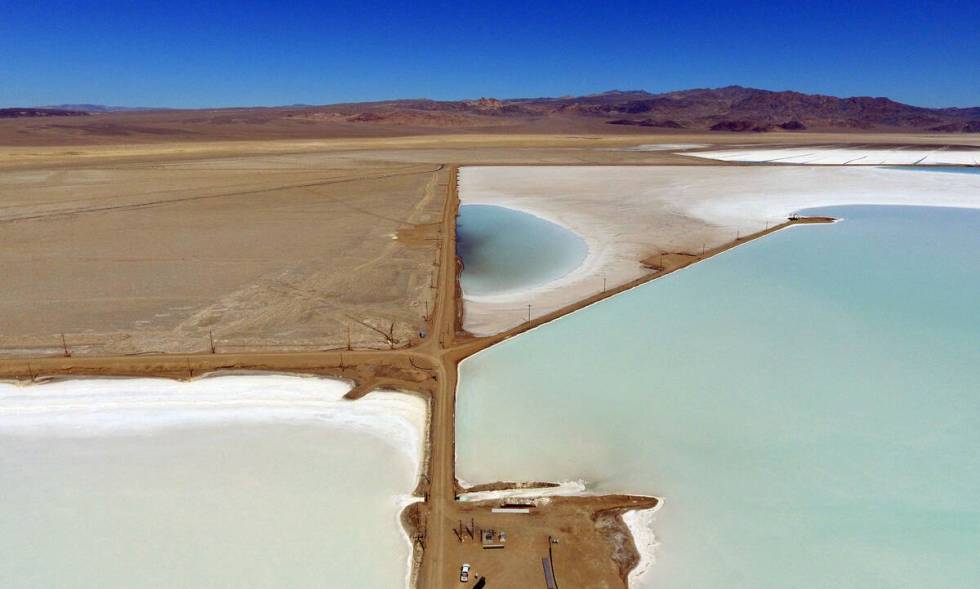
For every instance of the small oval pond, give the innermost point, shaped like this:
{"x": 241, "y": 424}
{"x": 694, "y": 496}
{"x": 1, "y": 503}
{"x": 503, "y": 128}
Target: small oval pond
{"x": 505, "y": 250}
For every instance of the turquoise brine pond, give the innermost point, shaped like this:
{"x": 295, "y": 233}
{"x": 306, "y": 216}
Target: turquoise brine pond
{"x": 808, "y": 405}
{"x": 940, "y": 169}
{"x": 505, "y": 250}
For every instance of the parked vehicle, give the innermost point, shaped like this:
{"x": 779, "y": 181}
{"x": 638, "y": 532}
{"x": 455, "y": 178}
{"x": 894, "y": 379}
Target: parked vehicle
{"x": 464, "y": 573}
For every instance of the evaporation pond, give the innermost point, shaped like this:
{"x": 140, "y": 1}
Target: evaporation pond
{"x": 253, "y": 481}
{"x": 808, "y": 405}
{"x": 505, "y": 250}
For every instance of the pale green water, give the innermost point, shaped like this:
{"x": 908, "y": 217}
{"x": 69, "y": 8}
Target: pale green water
{"x": 267, "y": 483}
{"x": 505, "y": 250}
{"x": 808, "y": 404}
{"x": 940, "y": 169}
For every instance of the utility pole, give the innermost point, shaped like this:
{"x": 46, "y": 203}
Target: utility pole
{"x": 211, "y": 338}
{"x": 64, "y": 345}
{"x": 348, "y": 337}
{"x": 603, "y": 283}
{"x": 551, "y": 559}
{"x": 529, "y": 314}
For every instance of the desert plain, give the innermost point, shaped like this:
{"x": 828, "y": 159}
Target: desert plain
{"x": 304, "y": 244}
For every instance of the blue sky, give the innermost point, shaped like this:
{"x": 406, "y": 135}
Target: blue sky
{"x": 200, "y": 54}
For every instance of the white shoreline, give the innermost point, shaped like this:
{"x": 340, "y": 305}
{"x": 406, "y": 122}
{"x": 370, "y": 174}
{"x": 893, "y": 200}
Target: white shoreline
{"x": 402, "y": 502}
{"x": 639, "y": 522}
{"x": 118, "y": 406}
{"x": 107, "y": 406}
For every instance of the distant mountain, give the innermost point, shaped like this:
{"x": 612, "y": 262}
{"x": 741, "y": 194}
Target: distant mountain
{"x": 733, "y": 109}
{"x": 728, "y": 109}
{"x": 17, "y": 113}
{"x": 93, "y": 108}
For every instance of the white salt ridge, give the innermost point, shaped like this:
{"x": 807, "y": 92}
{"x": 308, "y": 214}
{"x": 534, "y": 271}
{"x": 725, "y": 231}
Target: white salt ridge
{"x": 772, "y": 194}
{"x": 562, "y": 489}
{"x": 123, "y": 406}
{"x": 640, "y": 524}
{"x": 939, "y": 156}
{"x": 403, "y": 502}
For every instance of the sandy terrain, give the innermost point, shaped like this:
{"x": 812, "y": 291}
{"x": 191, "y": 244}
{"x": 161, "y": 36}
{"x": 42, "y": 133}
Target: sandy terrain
{"x": 630, "y": 214}
{"x": 282, "y": 252}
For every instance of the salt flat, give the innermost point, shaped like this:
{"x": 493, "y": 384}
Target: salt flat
{"x": 629, "y": 213}
{"x": 850, "y": 155}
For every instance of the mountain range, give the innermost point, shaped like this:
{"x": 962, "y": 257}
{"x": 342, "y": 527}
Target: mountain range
{"x": 731, "y": 109}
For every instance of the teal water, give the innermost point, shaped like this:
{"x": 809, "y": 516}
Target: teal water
{"x": 807, "y": 404}
{"x": 942, "y": 169}
{"x": 506, "y": 250}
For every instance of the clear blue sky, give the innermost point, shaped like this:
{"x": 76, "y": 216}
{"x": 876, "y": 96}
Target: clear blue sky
{"x": 198, "y": 54}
